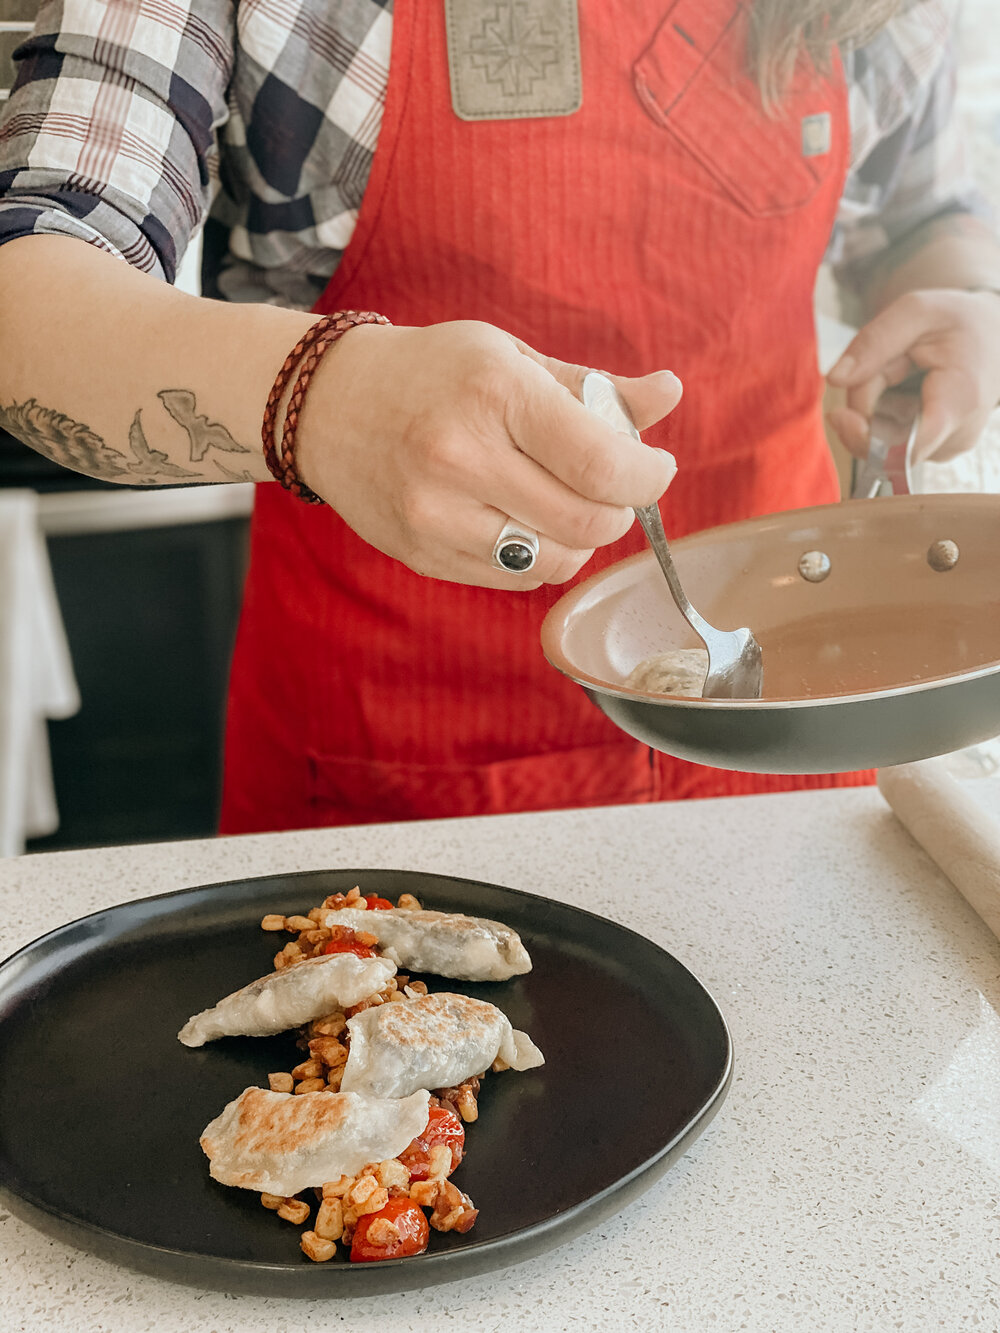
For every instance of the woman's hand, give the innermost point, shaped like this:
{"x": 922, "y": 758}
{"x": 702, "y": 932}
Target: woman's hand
{"x": 954, "y": 338}
{"x": 428, "y": 440}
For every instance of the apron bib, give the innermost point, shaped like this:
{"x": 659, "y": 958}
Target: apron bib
{"x": 668, "y": 222}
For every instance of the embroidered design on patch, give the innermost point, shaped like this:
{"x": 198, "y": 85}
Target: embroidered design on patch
{"x": 817, "y": 134}
{"x": 510, "y": 59}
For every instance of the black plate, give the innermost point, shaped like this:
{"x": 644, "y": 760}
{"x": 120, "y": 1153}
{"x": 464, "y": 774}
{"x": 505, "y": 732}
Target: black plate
{"x": 101, "y": 1107}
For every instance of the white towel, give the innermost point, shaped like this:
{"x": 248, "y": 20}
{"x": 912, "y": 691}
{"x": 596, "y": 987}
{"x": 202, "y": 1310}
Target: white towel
{"x": 36, "y": 674}
{"x": 953, "y": 827}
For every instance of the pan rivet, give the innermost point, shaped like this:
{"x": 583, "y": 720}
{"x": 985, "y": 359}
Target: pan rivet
{"x": 942, "y": 556}
{"x": 814, "y": 566}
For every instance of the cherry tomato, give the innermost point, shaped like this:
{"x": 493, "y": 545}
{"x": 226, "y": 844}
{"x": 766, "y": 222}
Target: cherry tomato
{"x": 376, "y": 904}
{"x": 410, "y": 1222}
{"x": 349, "y": 946}
{"x": 344, "y": 940}
{"x": 443, "y": 1126}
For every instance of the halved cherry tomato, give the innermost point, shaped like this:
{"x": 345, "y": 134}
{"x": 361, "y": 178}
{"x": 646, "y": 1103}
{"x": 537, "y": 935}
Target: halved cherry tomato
{"x": 409, "y": 1220}
{"x": 344, "y": 940}
{"x": 377, "y": 904}
{"x": 349, "y": 946}
{"x": 443, "y": 1126}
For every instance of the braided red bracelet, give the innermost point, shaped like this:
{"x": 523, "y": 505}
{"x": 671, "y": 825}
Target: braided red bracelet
{"x": 305, "y": 356}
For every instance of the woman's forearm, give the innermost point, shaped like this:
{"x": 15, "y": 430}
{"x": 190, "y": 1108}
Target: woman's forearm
{"x": 425, "y": 440}
{"x": 112, "y": 373}
{"x": 955, "y": 251}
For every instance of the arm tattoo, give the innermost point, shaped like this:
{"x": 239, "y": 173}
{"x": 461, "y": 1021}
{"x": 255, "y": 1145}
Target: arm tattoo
{"x": 230, "y": 475}
{"x": 203, "y": 434}
{"x": 63, "y": 440}
{"x": 73, "y": 445}
{"x": 149, "y": 462}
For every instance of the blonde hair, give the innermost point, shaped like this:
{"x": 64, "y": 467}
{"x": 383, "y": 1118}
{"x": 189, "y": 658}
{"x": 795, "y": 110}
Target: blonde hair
{"x": 783, "y": 30}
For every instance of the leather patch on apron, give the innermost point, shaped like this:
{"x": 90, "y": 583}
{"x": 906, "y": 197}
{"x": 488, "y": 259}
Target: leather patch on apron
{"x": 513, "y": 59}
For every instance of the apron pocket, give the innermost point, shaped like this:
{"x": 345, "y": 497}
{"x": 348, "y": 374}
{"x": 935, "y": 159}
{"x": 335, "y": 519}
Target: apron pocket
{"x": 362, "y": 791}
{"x": 693, "y": 81}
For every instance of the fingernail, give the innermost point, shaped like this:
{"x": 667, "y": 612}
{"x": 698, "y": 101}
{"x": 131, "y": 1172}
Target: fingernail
{"x": 855, "y": 425}
{"x": 672, "y": 461}
{"x": 843, "y": 369}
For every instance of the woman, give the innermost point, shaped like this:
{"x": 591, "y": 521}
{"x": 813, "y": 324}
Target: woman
{"x": 613, "y": 184}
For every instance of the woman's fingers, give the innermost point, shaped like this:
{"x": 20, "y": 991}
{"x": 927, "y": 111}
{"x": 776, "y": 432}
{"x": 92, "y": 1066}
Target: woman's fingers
{"x": 460, "y": 549}
{"x": 959, "y": 441}
{"x": 548, "y": 422}
{"x": 951, "y": 418}
{"x": 426, "y": 441}
{"x": 953, "y": 338}
{"x": 529, "y": 494}
{"x": 885, "y": 343}
{"x": 950, "y": 421}
{"x": 473, "y": 468}
{"x": 852, "y": 429}
{"x": 863, "y": 397}
{"x": 649, "y": 398}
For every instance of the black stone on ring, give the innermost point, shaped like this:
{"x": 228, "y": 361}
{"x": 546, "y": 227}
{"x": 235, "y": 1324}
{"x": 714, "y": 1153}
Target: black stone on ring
{"x": 516, "y": 549}
{"x": 516, "y": 557}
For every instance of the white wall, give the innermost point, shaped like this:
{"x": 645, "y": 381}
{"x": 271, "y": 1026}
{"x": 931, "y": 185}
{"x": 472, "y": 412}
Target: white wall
{"x": 189, "y": 273}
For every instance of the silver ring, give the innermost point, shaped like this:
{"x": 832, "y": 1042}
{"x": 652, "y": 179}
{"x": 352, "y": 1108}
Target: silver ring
{"x": 516, "y": 549}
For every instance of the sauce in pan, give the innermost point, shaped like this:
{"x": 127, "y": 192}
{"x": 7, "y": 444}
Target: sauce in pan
{"x": 876, "y": 648}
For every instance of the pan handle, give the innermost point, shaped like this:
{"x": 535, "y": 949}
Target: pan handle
{"x": 888, "y": 469}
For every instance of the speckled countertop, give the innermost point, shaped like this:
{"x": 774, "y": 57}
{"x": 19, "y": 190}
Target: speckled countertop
{"x": 851, "y": 1179}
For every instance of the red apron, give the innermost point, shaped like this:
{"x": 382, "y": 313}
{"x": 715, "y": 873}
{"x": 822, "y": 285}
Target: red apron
{"x": 668, "y": 222}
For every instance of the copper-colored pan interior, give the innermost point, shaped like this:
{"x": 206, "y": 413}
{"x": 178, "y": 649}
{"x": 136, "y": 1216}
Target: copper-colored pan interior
{"x": 883, "y": 618}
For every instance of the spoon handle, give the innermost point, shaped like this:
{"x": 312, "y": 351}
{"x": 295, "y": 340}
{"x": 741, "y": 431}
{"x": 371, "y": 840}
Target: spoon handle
{"x": 601, "y": 397}
{"x": 734, "y": 657}
{"x": 652, "y": 526}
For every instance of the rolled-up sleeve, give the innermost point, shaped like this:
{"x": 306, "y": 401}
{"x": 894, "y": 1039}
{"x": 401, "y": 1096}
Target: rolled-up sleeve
{"x": 910, "y": 163}
{"x": 110, "y": 132}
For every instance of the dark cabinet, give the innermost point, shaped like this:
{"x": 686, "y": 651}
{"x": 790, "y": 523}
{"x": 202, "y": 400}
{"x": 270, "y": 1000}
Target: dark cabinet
{"x": 150, "y": 615}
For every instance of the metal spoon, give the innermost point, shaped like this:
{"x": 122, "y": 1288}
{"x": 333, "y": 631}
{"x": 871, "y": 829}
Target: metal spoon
{"x": 735, "y": 670}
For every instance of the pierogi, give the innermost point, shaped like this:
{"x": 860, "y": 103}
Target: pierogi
{"x": 432, "y": 1041}
{"x": 465, "y": 948}
{"x": 278, "y": 1143}
{"x": 289, "y": 998}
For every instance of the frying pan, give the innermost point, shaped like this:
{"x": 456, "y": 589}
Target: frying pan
{"x": 879, "y": 621}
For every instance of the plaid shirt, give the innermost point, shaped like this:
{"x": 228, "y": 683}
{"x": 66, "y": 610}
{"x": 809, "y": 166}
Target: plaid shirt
{"x": 131, "y": 121}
